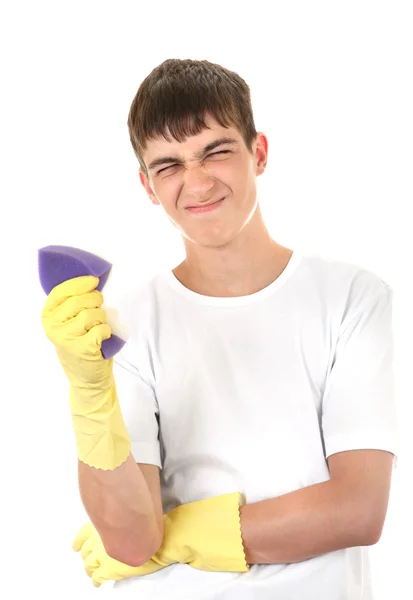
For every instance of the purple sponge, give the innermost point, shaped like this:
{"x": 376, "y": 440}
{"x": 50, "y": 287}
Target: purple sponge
{"x": 59, "y": 263}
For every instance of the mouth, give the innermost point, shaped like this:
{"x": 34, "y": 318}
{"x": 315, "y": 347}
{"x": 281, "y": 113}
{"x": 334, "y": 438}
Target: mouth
{"x": 205, "y": 207}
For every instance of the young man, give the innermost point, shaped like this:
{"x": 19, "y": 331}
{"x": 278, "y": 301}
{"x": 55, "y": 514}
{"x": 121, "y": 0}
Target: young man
{"x": 246, "y": 450}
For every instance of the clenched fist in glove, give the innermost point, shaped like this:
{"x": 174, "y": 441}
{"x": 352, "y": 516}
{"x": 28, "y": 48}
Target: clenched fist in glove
{"x": 75, "y": 322}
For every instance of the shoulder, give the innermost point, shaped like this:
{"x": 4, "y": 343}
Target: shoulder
{"x": 343, "y": 274}
{"x": 349, "y": 286}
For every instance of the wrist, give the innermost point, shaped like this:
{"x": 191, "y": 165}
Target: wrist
{"x": 101, "y": 436}
{"x": 89, "y": 397}
{"x": 102, "y": 442}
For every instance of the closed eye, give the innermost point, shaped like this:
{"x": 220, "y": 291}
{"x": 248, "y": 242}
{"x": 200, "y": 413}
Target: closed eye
{"x": 208, "y": 155}
{"x": 220, "y": 152}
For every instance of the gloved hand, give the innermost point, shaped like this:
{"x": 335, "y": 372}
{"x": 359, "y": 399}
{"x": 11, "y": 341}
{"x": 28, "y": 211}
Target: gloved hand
{"x": 99, "y": 565}
{"x": 205, "y": 534}
{"x": 76, "y": 324}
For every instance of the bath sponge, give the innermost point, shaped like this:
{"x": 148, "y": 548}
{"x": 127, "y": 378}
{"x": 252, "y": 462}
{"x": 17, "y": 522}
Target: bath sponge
{"x": 59, "y": 263}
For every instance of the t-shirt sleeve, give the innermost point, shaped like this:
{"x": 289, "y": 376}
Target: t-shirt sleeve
{"x": 358, "y": 408}
{"x": 139, "y": 407}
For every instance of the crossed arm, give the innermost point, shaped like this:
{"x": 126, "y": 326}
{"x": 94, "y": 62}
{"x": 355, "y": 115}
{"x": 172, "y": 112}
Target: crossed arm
{"x": 348, "y": 510}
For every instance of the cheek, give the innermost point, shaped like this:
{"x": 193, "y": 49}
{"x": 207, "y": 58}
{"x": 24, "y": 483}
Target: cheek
{"x": 166, "y": 190}
{"x": 227, "y": 173}
{"x": 234, "y": 176}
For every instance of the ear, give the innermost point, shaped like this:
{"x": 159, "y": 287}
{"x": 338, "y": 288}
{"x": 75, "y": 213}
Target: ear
{"x": 261, "y": 152}
{"x": 145, "y": 182}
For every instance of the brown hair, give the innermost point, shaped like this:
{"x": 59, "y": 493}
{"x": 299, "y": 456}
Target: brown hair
{"x": 178, "y": 93}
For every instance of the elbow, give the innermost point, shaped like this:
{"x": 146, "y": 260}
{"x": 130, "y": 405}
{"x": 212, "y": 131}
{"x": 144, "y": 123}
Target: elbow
{"x": 148, "y": 552}
{"x": 131, "y": 556}
{"x": 368, "y": 539}
{"x": 373, "y": 535}
{"x": 371, "y": 530}
{"x": 131, "y": 560}
{"x": 126, "y": 551}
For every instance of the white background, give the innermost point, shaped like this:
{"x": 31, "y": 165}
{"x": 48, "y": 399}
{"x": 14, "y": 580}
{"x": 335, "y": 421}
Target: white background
{"x": 331, "y": 85}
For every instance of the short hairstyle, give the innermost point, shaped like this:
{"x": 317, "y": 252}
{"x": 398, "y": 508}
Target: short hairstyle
{"x": 179, "y": 93}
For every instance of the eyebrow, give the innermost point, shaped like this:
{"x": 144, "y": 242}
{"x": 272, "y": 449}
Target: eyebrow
{"x": 161, "y": 160}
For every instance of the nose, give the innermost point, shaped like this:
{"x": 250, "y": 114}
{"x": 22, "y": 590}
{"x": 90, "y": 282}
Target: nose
{"x": 197, "y": 182}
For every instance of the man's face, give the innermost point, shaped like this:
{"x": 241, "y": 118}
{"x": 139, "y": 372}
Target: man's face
{"x": 205, "y": 168}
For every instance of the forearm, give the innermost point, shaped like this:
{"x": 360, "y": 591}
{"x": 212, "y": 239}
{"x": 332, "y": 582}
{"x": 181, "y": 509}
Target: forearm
{"x": 119, "y": 504}
{"x": 302, "y": 524}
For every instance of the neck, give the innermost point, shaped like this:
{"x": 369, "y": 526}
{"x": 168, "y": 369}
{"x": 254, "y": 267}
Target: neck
{"x": 247, "y": 264}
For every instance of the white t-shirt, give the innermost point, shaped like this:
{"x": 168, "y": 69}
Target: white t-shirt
{"x": 252, "y": 394}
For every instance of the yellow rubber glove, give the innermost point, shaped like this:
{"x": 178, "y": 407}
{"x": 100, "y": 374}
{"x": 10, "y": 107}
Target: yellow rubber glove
{"x": 98, "y": 564}
{"x": 75, "y": 323}
{"x": 205, "y": 534}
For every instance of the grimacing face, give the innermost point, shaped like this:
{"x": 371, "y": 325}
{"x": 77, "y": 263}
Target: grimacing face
{"x": 208, "y": 167}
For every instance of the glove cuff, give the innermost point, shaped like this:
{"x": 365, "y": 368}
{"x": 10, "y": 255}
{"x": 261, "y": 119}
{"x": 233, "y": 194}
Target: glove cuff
{"x": 213, "y": 528}
{"x": 102, "y": 439}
